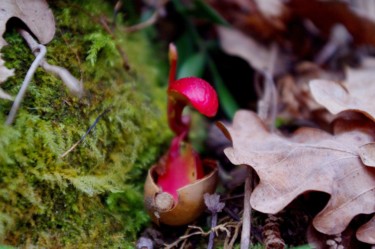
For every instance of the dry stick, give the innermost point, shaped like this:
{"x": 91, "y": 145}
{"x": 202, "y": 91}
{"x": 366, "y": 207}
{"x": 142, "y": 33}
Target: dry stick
{"x": 234, "y": 237}
{"x": 268, "y": 114}
{"x": 41, "y": 50}
{"x": 246, "y": 218}
{"x": 267, "y": 105}
{"x": 150, "y": 21}
{"x": 267, "y": 110}
{"x": 87, "y": 132}
{"x": 125, "y": 59}
{"x": 74, "y": 85}
{"x": 153, "y": 18}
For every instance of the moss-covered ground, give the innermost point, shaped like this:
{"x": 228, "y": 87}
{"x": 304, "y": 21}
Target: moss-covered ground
{"x": 92, "y": 197}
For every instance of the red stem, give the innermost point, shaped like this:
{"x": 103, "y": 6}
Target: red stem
{"x": 177, "y": 122}
{"x": 172, "y": 63}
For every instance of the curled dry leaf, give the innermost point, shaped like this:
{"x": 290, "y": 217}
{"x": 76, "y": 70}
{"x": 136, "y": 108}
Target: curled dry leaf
{"x": 310, "y": 160}
{"x": 34, "y": 13}
{"x": 356, "y": 94}
{"x": 236, "y": 43}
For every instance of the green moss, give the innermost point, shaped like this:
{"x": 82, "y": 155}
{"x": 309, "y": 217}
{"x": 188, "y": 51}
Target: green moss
{"x": 92, "y": 197}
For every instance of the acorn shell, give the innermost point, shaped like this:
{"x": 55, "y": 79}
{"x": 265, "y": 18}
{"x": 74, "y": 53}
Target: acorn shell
{"x": 162, "y": 207}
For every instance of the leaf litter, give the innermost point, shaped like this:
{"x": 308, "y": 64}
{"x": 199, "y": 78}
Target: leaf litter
{"x": 337, "y": 156}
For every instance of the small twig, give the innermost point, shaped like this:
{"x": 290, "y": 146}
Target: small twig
{"x": 87, "y": 132}
{"x": 246, "y": 218}
{"x": 267, "y": 105}
{"x": 41, "y": 50}
{"x": 234, "y": 237}
{"x": 222, "y": 227}
{"x": 150, "y": 21}
{"x": 73, "y": 84}
{"x": 125, "y": 60}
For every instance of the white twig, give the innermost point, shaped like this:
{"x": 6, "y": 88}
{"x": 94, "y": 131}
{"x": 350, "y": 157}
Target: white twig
{"x": 267, "y": 104}
{"x": 246, "y": 217}
{"x": 73, "y": 84}
{"x": 41, "y": 50}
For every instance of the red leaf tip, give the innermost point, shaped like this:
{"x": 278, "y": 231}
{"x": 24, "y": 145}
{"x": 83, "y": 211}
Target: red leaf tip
{"x": 197, "y": 92}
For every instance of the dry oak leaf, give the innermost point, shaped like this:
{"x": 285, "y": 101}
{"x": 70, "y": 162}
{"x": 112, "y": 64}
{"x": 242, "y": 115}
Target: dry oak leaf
{"x": 357, "y": 93}
{"x": 236, "y": 43}
{"x": 309, "y": 160}
{"x": 34, "y": 13}
{"x": 366, "y": 233}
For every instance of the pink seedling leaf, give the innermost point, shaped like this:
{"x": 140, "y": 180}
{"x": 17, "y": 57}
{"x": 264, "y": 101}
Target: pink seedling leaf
{"x": 190, "y": 91}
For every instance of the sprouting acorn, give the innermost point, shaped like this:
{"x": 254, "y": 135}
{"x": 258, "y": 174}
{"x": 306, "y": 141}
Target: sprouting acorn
{"x": 175, "y": 186}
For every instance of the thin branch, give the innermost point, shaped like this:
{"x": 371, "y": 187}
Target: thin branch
{"x": 230, "y": 245}
{"x": 267, "y": 105}
{"x": 246, "y": 218}
{"x": 150, "y": 21}
{"x": 87, "y": 132}
{"x": 125, "y": 60}
{"x": 41, "y": 51}
{"x": 73, "y": 84}
{"x": 221, "y": 227}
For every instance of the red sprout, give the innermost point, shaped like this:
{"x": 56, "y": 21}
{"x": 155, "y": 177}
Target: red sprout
{"x": 183, "y": 165}
{"x": 191, "y": 90}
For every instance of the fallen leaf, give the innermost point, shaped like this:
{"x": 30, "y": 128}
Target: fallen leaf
{"x": 366, "y": 232}
{"x": 346, "y": 239}
{"x": 260, "y": 19}
{"x": 34, "y": 13}
{"x": 355, "y": 94}
{"x": 309, "y": 160}
{"x": 236, "y": 43}
{"x": 296, "y": 101}
{"x": 332, "y": 13}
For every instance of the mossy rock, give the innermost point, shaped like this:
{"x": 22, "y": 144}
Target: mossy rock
{"x": 92, "y": 197}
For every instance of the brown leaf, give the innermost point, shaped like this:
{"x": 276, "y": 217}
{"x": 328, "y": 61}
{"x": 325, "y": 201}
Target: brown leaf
{"x": 34, "y": 13}
{"x": 331, "y": 13}
{"x": 296, "y": 101}
{"x": 236, "y": 43}
{"x": 356, "y": 94}
{"x": 310, "y": 160}
{"x": 366, "y": 232}
{"x": 260, "y": 18}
